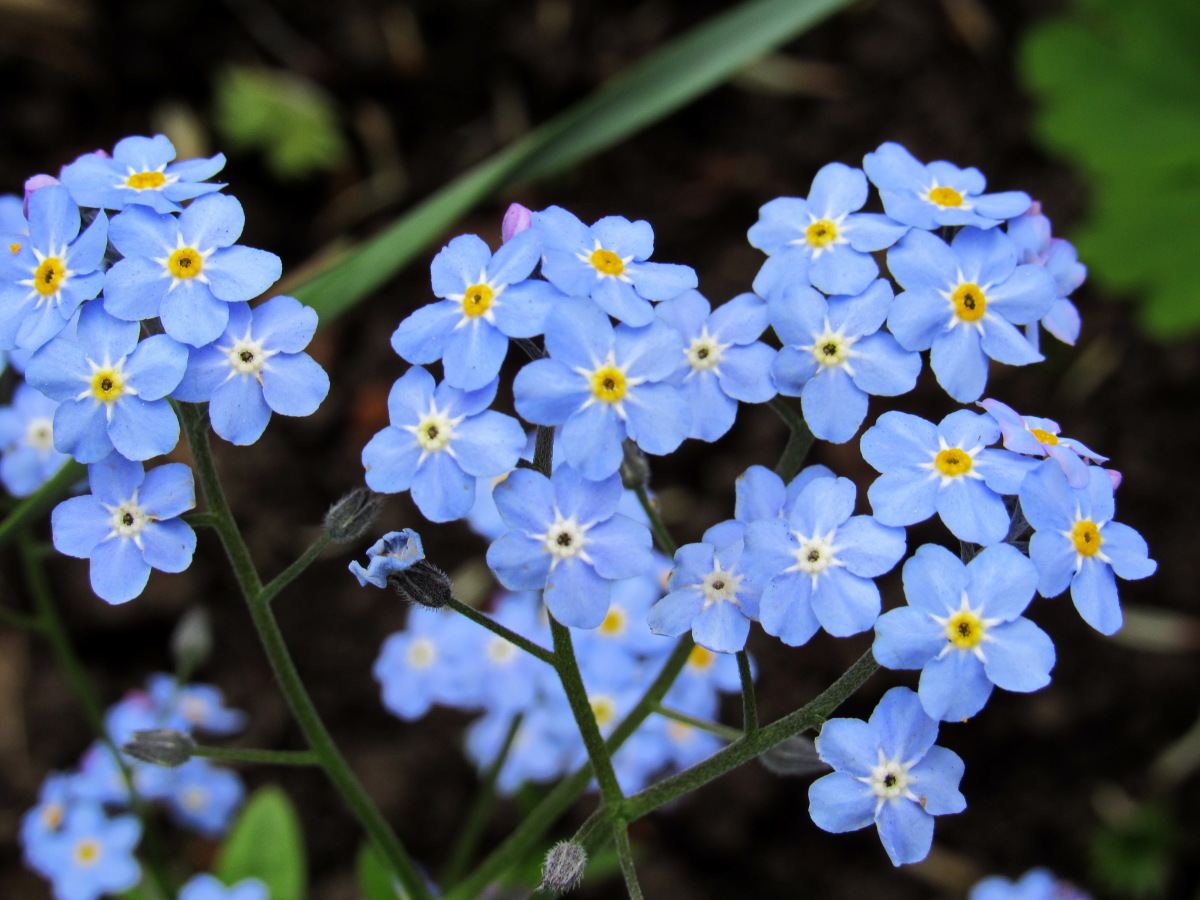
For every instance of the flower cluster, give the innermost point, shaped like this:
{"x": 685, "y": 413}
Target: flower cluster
{"x": 117, "y": 299}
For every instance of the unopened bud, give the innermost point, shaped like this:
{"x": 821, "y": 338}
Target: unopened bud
{"x": 516, "y": 219}
{"x": 423, "y": 583}
{"x": 191, "y": 642}
{"x": 635, "y": 469}
{"x": 35, "y": 183}
{"x": 795, "y": 756}
{"x": 161, "y": 747}
{"x": 349, "y": 518}
{"x": 563, "y": 868}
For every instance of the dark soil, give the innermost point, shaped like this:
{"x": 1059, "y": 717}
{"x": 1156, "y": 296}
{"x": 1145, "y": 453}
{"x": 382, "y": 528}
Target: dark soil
{"x": 425, "y": 89}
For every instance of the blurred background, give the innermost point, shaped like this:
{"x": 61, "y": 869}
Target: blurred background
{"x": 337, "y": 117}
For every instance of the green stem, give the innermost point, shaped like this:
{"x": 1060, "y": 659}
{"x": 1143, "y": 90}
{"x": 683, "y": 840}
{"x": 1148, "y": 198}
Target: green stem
{"x": 200, "y": 519}
{"x": 292, "y": 572}
{"x": 477, "y": 816}
{"x": 20, "y": 620}
{"x": 722, "y": 731}
{"x": 657, "y": 525}
{"x": 749, "y": 704}
{"x": 268, "y": 757}
{"x": 496, "y": 628}
{"x": 800, "y": 440}
{"x": 625, "y": 855}
{"x": 809, "y": 716}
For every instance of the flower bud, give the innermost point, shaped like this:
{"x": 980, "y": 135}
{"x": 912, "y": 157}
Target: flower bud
{"x": 795, "y": 756}
{"x": 422, "y": 583}
{"x": 161, "y": 747}
{"x": 635, "y": 469}
{"x": 516, "y": 219}
{"x": 563, "y": 868}
{"x": 349, "y": 518}
{"x": 191, "y": 642}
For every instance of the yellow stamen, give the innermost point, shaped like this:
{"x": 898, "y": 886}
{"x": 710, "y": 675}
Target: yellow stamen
{"x": 821, "y": 233}
{"x": 969, "y": 302}
{"x": 107, "y": 385}
{"x": 1086, "y": 537}
{"x": 1044, "y": 437}
{"x": 953, "y": 462}
{"x": 608, "y": 384}
{"x": 185, "y": 262}
{"x": 607, "y": 262}
{"x": 614, "y": 622}
{"x": 964, "y": 630}
{"x": 945, "y": 196}
{"x": 477, "y": 300}
{"x": 146, "y": 181}
{"x": 47, "y": 277}
{"x": 701, "y": 658}
{"x": 87, "y": 852}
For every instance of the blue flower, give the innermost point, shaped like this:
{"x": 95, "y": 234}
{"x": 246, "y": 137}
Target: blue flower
{"x": 488, "y": 300}
{"x": 1036, "y": 884}
{"x": 433, "y": 660}
{"x": 944, "y": 469}
{"x": 817, "y": 566}
{"x": 761, "y": 494}
{"x": 396, "y": 551}
{"x": 27, "y": 442}
{"x": 963, "y": 302}
{"x": 206, "y": 887}
{"x": 95, "y": 855}
{"x": 565, "y": 537}
{"x": 128, "y": 525}
{"x": 964, "y": 630}
{"x": 710, "y": 596}
{"x": 823, "y": 241}
{"x": 440, "y": 440}
{"x": 602, "y": 385}
{"x": 607, "y": 262}
{"x": 1077, "y": 543}
{"x": 42, "y": 826}
{"x": 1031, "y": 233}
{"x": 1034, "y": 436}
{"x": 185, "y": 271}
{"x": 257, "y": 366}
{"x": 187, "y": 707}
{"x": 887, "y": 771}
{"x": 724, "y": 360}
{"x": 110, "y": 388}
{"x": 50, "y": 272}
{"x": 929, "y": 196}
{"x": 202, "y": 797}
{"x": 834, "y": 355}
{"x": 140, "y": 171}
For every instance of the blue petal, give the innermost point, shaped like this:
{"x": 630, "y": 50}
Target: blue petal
{"x": 954, "y": 687}
{"x": 1094, "y": 593}
{"x": 959, "y": 363}
{"x": 576, "y": 595}
{"x": 905, "y": 830}
{"x": 118, "y": 572}
{"x": 238, "y": 411}
{"x": 849, "y": 745}
{"x": 460, "y": 264}
{"x": 936, "y": 778}
{"x": 215, "y": 220}
{"x": 293, "y": 384}
{"x": 520, "y": 564}
{"x": 845, "y": 604}
{"x": 973, "y": 512}
{"x": 721, "y": 627}
{"x": 785, "y": 609}
{"x": 156, "y": 366}
{"x": 834, "y": 406}
{"x": 241, "y": 273}
{"x": 191, "y": 314}
{"x": 839, "y": 803}
{"x": 390, "y": 459}
{"x": 78, "y": 524}
{"x": 1019, "y": 656}
{"x": 907, "y": 638}
{"x": 1001, "y": 579}
{"x": 168, "y": 546}
{"x": 442, "y": 491}
{"x": 284, "y": 323}
{"x": 488, "y": 444}
{"x": 140, "y": 430}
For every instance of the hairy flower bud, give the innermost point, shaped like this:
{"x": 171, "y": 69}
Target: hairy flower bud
{"x": 635, "y": 469}
{"x": 349, "y": 518}
{"x": 422, "y": 583}
{"x": 161, "y": 747}
{"x": 563, "y": 868}
{"x": 795, "y": 756}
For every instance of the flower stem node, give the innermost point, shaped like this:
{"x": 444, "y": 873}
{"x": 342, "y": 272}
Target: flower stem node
{"x": 349, "y": 518}
{"x": 563, "y": 868}
{"x": 795, "y": 757}
{"x": 161, "y": 747}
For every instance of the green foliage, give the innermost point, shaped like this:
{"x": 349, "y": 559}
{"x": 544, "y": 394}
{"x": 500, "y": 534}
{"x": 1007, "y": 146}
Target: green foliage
{"x": 678, "y": 73}
{"x": 1118, "y": 90}
{"x": 1133, "y": 859}
{"x": 286, "y": 116}
{"x": 265, "y": 843}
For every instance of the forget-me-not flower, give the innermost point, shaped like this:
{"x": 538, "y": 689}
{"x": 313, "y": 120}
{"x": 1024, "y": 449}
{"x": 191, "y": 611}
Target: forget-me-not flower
{"x": 1031, "y": 233}
{"x": 710, "y": 596}
{"x": 206, "y": 887}
{"x": 96, "y": 854}
{"x": 761, "y": 494}
{"x": 1035, "y": 436}
{"x": 27, "y": 442}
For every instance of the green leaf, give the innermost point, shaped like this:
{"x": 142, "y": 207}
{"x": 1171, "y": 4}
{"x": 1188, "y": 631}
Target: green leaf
{"x": 285, "y": 115}
{"x": 265, "y": 843}
{"x": 1134, "y": 859}
{"x": 375, "y": 880}
{"x": 1118, "y": 88}
{"x": 672, "y": 77}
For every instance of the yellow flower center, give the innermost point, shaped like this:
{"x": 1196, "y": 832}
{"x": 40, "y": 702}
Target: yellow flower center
{"x": 1086, "y": 537}
{"x": 701, "y": 658}
{"x": 614, "y": 623}
{"x": 477, "y": 300}
{"x": 945, "y": 196}
{"x": 107, "y": 385}
{"x": 607, "y": 262}
{"x": 421, "y": 653}
{"x": 1044, "y": 437}
{"x": 604, "y": 708}
{"x": 186, "y": 262}
{"x": 964, "y": 629}
{"x": 969, "y": 302}
{"x": 821, "y": 233}
{"x": 608, "y": 384}
{"x": 48, "y": 276}
{"x": 953, "y": 462}
{"x": 87, "y": 852}
{"x": 146, "y": 181}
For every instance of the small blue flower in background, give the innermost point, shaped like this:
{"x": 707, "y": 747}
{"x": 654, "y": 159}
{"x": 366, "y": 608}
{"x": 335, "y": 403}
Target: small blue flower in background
{"x": 723, "y": 360}
{"x": 27, "y": 442}
{"x": 128, "y": 525}
{"x": 761, "y": 494}
{"x": 206, "y": 887}
{"x": 255, "y": 368}
{"x": 963, "y": 301}
{"x": 834, "y": 355}
{"x": 1034, "y": 436}
{"x": 111, "y": 389}
{"x": 887, "y": 771}
{"x": 488, "y": 299}
{"x": 602, "y": 385}
{"x": 439, "y": 441}
{"x": 940, "y": 193}
{"x": 944, "y": 468}
{"x": 566, "y": 537}
{"x": 1076, "y": 542}
{"x": 1031, "y": 233}
{"x": 42, "y": 826}
{"x": 1036, "y": 884}
{"x": 193, "y": 706}
{"x": 816, "y": 567}
{"x": 964, "y": 630}
{"x": 394, "y": 552}
{"x": 710, "y": 596}
{"x": 49, "y": 273}
{"x": 607, "y": 262}
{"x": 140, "y": 171}
{"x": 95, "y": 855}
{"x": 432, "y": 661}
{"x": 185, "y": 271}
{"x": 203, "y": 797}
{"x": 823, "y": 240}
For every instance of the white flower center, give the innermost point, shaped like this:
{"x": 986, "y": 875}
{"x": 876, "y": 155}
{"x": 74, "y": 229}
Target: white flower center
{"x": 128, "y": 520}
{"x": 831, "y": 349}
{"x": 704, "y": 353}
{"x": 500, "y": 652}
{"x": 39, "y": 434}
{"x": 564, "y": 539}
{"x": 814, "y": 554}
{"x": 247, "y": 357}
{"x": 889, "y": 780}
{"x": 720, "y": 585}
{"x": 421, "y": 653}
